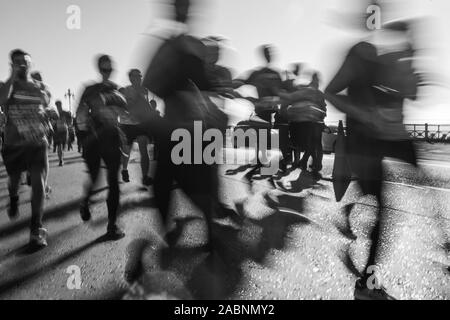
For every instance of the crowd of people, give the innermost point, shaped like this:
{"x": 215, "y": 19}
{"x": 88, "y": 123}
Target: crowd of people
{"x": 185, "y": 74}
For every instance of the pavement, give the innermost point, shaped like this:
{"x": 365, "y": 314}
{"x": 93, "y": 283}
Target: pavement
{"x": 291, "y": 244}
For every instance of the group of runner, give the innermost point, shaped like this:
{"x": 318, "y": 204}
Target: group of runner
{"x": 185, "y": 74}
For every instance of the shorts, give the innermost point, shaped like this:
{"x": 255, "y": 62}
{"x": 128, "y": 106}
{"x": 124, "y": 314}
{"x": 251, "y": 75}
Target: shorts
{"x": 18, "y": 159}
{"x": 60, "y": 137}
{"x": 132, "y": 132}
{"x": 366, "y": 155}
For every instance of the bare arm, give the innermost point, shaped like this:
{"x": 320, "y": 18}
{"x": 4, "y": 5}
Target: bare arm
{"x": 6, "y": 89}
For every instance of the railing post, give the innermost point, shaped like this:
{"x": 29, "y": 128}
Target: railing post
{"x": 426, "y": 131}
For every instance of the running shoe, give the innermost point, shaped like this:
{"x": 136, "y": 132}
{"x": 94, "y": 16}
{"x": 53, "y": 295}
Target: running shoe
{"x": 125, "y": 176}
{"x": 114, "y": 233}
{"x": 38, "y": 239}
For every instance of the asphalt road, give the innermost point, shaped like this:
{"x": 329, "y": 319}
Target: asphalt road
{"x": 291, "y": 244}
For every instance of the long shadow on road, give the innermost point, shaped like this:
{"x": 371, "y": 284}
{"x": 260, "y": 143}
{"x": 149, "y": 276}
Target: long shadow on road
{"x": 207, "y": 272}
{"x": 27, "y": 276}
{"x": 50, "y": 214}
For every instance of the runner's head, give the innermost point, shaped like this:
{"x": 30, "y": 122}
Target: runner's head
{"x": 212, "y": 49}
{"x": 181, "y": 10}
{"x": 315, "y": 80}
{"x": 105, "y": 66}
{"x": 23, "y": 60}
{"x": 267, "y": 51}
{"x": 135, "y": 77}
{"x": 296, "y": 69}
{"x": 58, "y": 104}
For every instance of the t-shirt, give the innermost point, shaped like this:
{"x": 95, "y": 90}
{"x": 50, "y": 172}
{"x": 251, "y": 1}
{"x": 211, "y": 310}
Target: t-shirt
{"x": 135, "y": 99}
{"x": 64, "y": 121}
{"x": 100, "y": 105}
{"x": 177, "y": 74}
{"x": 219, "y": 77}
{"x": 26, "y": 118}
{"x": 266, "y": 80}
{"x": 365, "y": 75}
{"x": 267, "y": 83}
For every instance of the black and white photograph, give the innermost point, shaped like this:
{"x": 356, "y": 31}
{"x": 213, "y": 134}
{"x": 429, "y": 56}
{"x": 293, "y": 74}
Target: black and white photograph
{"x": 225, "y": 154}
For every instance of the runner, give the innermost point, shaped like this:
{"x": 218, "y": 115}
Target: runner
{"x": 267, "y": 82}
{"x": 221, "y": 89}
{"x": 98, "y": 105}
{"x": 177, "y": 75}
{"x": 81, "y": 131}
{"x": 50, "y": 113}
{"x": 378, "y": 78}
{"x": 25, "y": 146}
{"x": 135, "y": 94}
{"x": 306, "y": 114}
{"x": 61, "y": 135}
{"x": 71, "y": 133}
{"x": 2, "y": 120}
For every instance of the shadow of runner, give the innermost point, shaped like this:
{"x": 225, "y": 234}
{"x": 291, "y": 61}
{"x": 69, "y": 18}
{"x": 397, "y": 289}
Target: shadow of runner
{"x": 19, "y": 280}
{"x": 50, "y": 214}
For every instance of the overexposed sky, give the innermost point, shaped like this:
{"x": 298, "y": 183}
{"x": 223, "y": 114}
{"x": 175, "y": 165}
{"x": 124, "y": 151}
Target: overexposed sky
{"x": 316, "y": 32}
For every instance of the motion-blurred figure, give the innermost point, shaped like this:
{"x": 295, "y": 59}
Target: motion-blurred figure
{"x": 61, "y": 134}
{"x": 135, "y": 94}
{"x": 177, "y": 75}
{"x": 71, "y": 129}
{"x": 50, "y": 113}
{"x": 25, "y": 147}
{"x": 99, "y": 107}
{"x": 221, "y": 88}
{"x": 306, "y": 114}
{"x": 378, "y": 76}
{"x": 268, "y": 83}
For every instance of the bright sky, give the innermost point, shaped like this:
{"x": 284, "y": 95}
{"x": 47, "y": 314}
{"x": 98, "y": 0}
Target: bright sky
{"x": 316, "y": 32}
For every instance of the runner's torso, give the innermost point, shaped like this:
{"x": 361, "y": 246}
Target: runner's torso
{"x": 25, "y": 115}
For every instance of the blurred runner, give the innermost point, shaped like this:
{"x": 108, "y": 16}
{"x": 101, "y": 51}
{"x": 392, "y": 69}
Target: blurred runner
{"x": 50, "y": 112}
{"x": 98, "y": 108}
{"x": 135, "y": 94}
{"x": 61, "y": 135}
{"x": 267, "y": 82}
{"x": 177, "y": 75}
{"x": 25, "y": 146}
{"x": 378, "y": 76}
{"x": 306, "y": 115}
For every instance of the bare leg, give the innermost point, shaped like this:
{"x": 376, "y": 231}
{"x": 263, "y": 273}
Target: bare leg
{"x": 145, "y": 159}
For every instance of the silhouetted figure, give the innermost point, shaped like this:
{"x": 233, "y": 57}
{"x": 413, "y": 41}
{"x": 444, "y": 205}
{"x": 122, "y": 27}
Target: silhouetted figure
{"x": 50, "y": 113}
{"x": 378, "y": 79}
{"x": 135, "y": 94}
{"x": 267, "y": 82}
{"x": 221, "y": 88}
{"x": 306, "y": 115}
{"x": 177, "y": 75}
{"x": 100, "y": 105}
{"x": 61, "y": 135}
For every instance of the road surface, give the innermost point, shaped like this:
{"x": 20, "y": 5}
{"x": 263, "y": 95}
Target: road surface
{"x": 291, "y": 245}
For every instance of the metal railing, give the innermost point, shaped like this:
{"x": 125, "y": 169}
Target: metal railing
{"x": 429, "y": 132}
